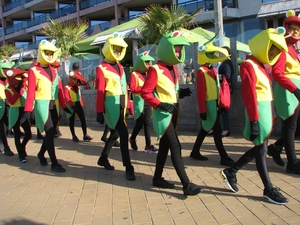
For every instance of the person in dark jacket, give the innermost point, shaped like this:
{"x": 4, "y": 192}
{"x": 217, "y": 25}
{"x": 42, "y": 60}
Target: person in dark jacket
{"x": 226, "y": 68}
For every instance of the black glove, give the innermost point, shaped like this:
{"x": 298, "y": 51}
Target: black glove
{"x": 297, "y": 94}
{"x": 67, "y": 110}
{"x": 254, "y": 130}
{"x": 26, "y": 116}
{"x": 203, "y": 116}
{"x": 100, "y": 118}
{"x": 183, "y": 92}
{"x": 167, "y": 107}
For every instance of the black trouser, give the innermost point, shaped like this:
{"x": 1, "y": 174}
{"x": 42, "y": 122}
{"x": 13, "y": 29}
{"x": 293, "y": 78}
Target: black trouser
{"x": 279, "y": 141}
{"x": 120, "y": 130}
{"x": 21, "y": 146}
{"x": 217, "y": 129}
{"x": 48, "y": 141}
{"x": 54, "y": 116}
{"x": 170, "y": 141}
{"x": 143, "y": 120}
{"x": 288, "y": 135}
{"x": 105, "y": 132}
{"x": 259, "y": 154}
{"x": 80, "y": 113}
{"x": 3, "y": 124}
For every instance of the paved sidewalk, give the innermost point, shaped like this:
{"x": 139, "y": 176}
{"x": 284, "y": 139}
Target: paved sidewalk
{"x": 88, "y": 194}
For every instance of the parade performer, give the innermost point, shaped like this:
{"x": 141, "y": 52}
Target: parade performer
{"x": 43, "y": 89}
{"x": 286, "y": 73}
{"x": 16, "y": 93}
{"x": 112, "y": 101}
{"x": 257, "y": 96}
{"x": 142, "y": 110}
{"x": 208, "y": 93}
{"x": 4, "y": 64}
{"x": 75, "y": 102}
{"x": 161, "y": 91}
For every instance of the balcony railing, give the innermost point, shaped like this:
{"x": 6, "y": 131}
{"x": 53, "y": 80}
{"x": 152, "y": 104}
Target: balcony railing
{"x": 41, "y": 19}
{"x": 91, "y": 3}
{"x": 14, "y": 4}
{"x": 208, "y": 5}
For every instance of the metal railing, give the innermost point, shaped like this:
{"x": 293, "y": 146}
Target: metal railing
{"x": 14, "y": 4}
{"x": 91, "y": 3}
{"x": 41, "y": 19}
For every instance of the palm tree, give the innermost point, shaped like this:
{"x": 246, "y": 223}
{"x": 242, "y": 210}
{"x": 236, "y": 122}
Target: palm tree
{"x": 66, "y": 33}
{"x": 7, "y": 51}
{"x": 159, "y": 21}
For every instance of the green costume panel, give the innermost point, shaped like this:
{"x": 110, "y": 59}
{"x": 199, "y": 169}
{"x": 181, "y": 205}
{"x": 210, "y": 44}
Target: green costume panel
{"x": 285, "y": 102}
{"x": 211, "y": 113}
{"x": 138, "y": 105}
{"x": 161, "y": 121}
{"x": 41, "y": 113}
{"x": 2, "y": 108}
{"x": 265, "y": 123}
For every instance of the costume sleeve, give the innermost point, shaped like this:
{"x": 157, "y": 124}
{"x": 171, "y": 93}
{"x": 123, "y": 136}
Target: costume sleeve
{"x": 61, "y": 96}
{"x": 278, "y": 74}
{"x": 201, "y": 91}
{"x": 133, "y": 85}
{"x": 31, "y": 91}
{"x": 67, "y": 96}
{"x": 248, "y": 88}
{"x": 11, "y": 97}
{"x": 100, "y": 86}
{"x": 149, "y": 87}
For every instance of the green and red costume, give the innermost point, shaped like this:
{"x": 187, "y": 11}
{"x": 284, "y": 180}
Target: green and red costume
{"x": 207, "y": 94}
{"x": 110, "y": 87}
{"x": 41, "y": 90}
{"x": 257, "y": 97}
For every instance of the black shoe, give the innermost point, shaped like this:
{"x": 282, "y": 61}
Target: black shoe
{"x": 43, "y": 160}
{"x": 57, "y": 133}
{"x": 198, "y": 156}
{"x": 227, "y": 161}
{"x": 229, "y": 179}
{"x": 274, "y": 196}
{"x": 133, "y": 144}
{"x": 117, "y": 144}
{"x": 39, "y": 136}
{"x": 106, "y": 164}
{"x": 293, "y": 168}
{"x": 57, "y": 168}
{"x": 22, "y": 159}
{"x": 162, "y": 183}
{"x": 104, "y": 139}
{"x": 75, "y": 138}
{"x": 191, "y": 189}
{"x": 8, "y": 152}
{"x": 87, "y": 138}
{"x": 130, "y": 175}
{"x": 275, "y": 153}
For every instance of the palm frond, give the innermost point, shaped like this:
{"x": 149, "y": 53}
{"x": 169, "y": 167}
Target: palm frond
{"x": 159, "y": 20}
{"x": 66, "y": 32}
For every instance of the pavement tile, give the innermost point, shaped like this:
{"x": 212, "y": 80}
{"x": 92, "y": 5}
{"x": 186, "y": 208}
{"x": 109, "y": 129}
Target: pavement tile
{"x": 89, "y": 194}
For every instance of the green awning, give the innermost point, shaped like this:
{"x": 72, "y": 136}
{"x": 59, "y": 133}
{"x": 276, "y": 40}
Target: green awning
{"x": 209, "y": 34}
{"x": 85, "y": 45}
